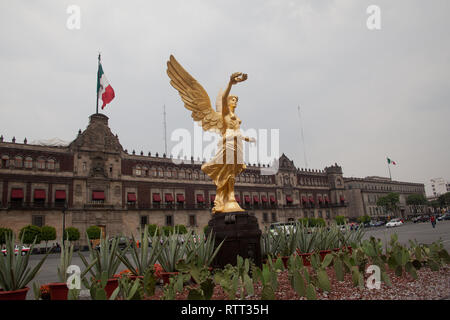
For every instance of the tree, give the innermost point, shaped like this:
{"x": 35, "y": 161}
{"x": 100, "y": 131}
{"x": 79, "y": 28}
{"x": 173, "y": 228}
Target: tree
{"x": 3, "y": 234}
{"x": 152, "y": 228}
{"x": 364, "y": 219}
{"x": 29, "y": 234}
{"x": 73, "y": 234}
{"x": 94, "y": 232}
{"x": 180, "y": 229}
{"x": 389, "y": 202}
{"x": 48, "y": 233}
{"x": 339, "y": 220}
{"x": 416, "y": 200}
{"x": 444, "y": 199}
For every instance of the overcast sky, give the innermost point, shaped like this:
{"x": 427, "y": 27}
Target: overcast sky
{"x": 364, "y": 94}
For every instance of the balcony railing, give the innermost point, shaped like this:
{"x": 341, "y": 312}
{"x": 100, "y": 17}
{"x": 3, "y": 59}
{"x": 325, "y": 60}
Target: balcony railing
{"x": 35, "y": 205}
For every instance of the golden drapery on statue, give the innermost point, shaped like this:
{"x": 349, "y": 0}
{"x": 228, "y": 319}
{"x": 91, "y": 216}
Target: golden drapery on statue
{"x": 228, "y": 162}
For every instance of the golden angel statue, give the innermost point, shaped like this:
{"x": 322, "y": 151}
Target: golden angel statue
{"x": 228, "y": 162}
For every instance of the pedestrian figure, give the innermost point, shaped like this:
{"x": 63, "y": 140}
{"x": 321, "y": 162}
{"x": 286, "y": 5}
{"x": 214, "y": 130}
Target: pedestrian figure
{"x": 433, "y": 221}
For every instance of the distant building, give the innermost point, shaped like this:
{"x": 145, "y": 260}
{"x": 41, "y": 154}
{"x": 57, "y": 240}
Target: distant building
{"x": 439, "y": 186}
{"x": 363, "y": 193}
{"x": 102, "y": 184}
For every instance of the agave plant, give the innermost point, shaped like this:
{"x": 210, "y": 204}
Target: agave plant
{"x": 144, "y": 256}
{"x": 289, "y": 240}
{"x": 15, "y": 274}
{"x": 104, "y": 260}
{"x": 65, "y": 261}
{"x": 270, "y": 244}
{"x": 173, "y": 250}
{"x": 326, "y": 239}
{"x": 200, "y": 249}
{"x": 305, "y": 240}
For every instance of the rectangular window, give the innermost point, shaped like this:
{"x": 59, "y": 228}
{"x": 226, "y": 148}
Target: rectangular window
{"x": 37, "y": 221}
{"x": 169, "y": 220}
{"x": 265, "y": 217}
{"x": 274, "y": 217}
{"x": 144, "y": 221}
{"x": 192, "y": 220}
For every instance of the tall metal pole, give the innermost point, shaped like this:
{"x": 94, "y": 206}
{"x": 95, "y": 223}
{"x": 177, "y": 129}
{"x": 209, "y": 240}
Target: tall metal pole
{"x": 389, "y": 168}
{"x": 165, "y": 131}
{"x": 303, "y": 138}
{"x": 64, "y": 226}
{"x": 98, "y": 81}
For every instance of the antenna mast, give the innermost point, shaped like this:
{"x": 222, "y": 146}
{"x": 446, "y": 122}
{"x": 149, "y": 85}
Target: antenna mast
{"x": 303, "y": 138}
{"x": 165, "y": 130}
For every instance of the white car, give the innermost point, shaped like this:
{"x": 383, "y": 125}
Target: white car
{"x": 23, "y": 250}
{"x": 394, "y": 223}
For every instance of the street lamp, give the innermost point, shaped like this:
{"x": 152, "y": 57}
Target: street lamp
{"x": 64, "y": 223}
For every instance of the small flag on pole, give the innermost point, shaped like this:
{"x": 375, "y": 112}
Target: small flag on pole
{"x": 389, "y": 161}
{"x": 104, "y": 89}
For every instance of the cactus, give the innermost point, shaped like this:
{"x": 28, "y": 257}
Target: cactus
{"x": 15, "y": 272}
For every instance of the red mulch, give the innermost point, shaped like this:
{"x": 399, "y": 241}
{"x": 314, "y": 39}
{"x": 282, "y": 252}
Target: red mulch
{"x": 429, "y": 286}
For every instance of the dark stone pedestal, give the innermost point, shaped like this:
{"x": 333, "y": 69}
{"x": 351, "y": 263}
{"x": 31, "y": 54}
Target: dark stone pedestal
{"x": 242, "y": 237}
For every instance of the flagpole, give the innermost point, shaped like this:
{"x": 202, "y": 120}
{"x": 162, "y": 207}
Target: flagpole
{"x": 389, "y": 168}
{"x": 96, "y": 110}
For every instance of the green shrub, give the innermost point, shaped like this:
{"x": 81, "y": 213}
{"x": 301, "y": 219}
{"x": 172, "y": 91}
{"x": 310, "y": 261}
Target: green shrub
{"x": 180, "y": 229}
{"x": 3, "y": 233}
{"x": 94, "y": 232}
{"x": 30, "y": 233}
{"x": 74, "y": 234}
{"x": 339, "y": 220}
{"x": 364, "y": 219}
{"x": 48, "y": 233}
{"x": 167, "y": 230}
{"x": 320, "y": 222}
{"x": 152, "y": 228}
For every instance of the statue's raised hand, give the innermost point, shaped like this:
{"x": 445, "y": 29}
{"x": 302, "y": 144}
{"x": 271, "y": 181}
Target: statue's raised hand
{"x": 238, "y": 77}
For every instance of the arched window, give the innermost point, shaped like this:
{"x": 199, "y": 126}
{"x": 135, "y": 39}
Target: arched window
{"x": 28, "y": 162}
{"x": 145, "y": 171}
{"x": 5, "y": 161}
{"x": 160, "y": 172}
{"x": 51, "y": 164}
{"x": 18, "y": 162}
{"x": 40, "y": 164}
{"x": 138, "y": 171}
{"x": 181, "y": 174}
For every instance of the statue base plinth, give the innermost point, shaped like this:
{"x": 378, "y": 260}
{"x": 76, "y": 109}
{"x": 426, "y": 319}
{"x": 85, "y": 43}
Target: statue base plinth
{"x": 242, "y": 237}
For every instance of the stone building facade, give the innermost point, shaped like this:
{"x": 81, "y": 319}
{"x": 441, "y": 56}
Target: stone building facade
{"x": 94, "y": 181}
{"x": 363, "y": 193}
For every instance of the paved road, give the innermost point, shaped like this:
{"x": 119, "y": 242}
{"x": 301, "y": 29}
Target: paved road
{"x": 422, "y": 232}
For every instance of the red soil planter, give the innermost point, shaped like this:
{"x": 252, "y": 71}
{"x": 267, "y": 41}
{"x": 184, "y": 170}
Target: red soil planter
{"x": 166, "y": 276}
{"x": 306, "y": 257}
{"x": 111, "y": 285}
{"x": 323, "y": 253}
{"x": 20, "y": 294}
{"x": 348, "y": 248}
{"x": 58, "y": 291}
{"x": 285, "y": 261}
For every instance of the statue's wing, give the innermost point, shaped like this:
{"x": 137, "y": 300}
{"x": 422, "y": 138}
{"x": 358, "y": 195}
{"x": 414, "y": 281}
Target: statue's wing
{"x": 194, "y": 97}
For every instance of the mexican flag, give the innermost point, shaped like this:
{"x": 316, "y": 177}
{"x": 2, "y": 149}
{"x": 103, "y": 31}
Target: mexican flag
{"x": 104, "y": 89}
{"x": 390, "y": 161}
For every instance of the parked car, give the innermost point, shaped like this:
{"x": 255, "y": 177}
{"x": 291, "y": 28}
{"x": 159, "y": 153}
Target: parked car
{"x": 376, "y": 223}
{"x": 445, "y": 216}
{"x": 123, "y": 243}
{"x": 394, "y": 223}
{"x": 278, "y": 226}
{"x": 23, "y": 250}
{"x": 421, "y": 219}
